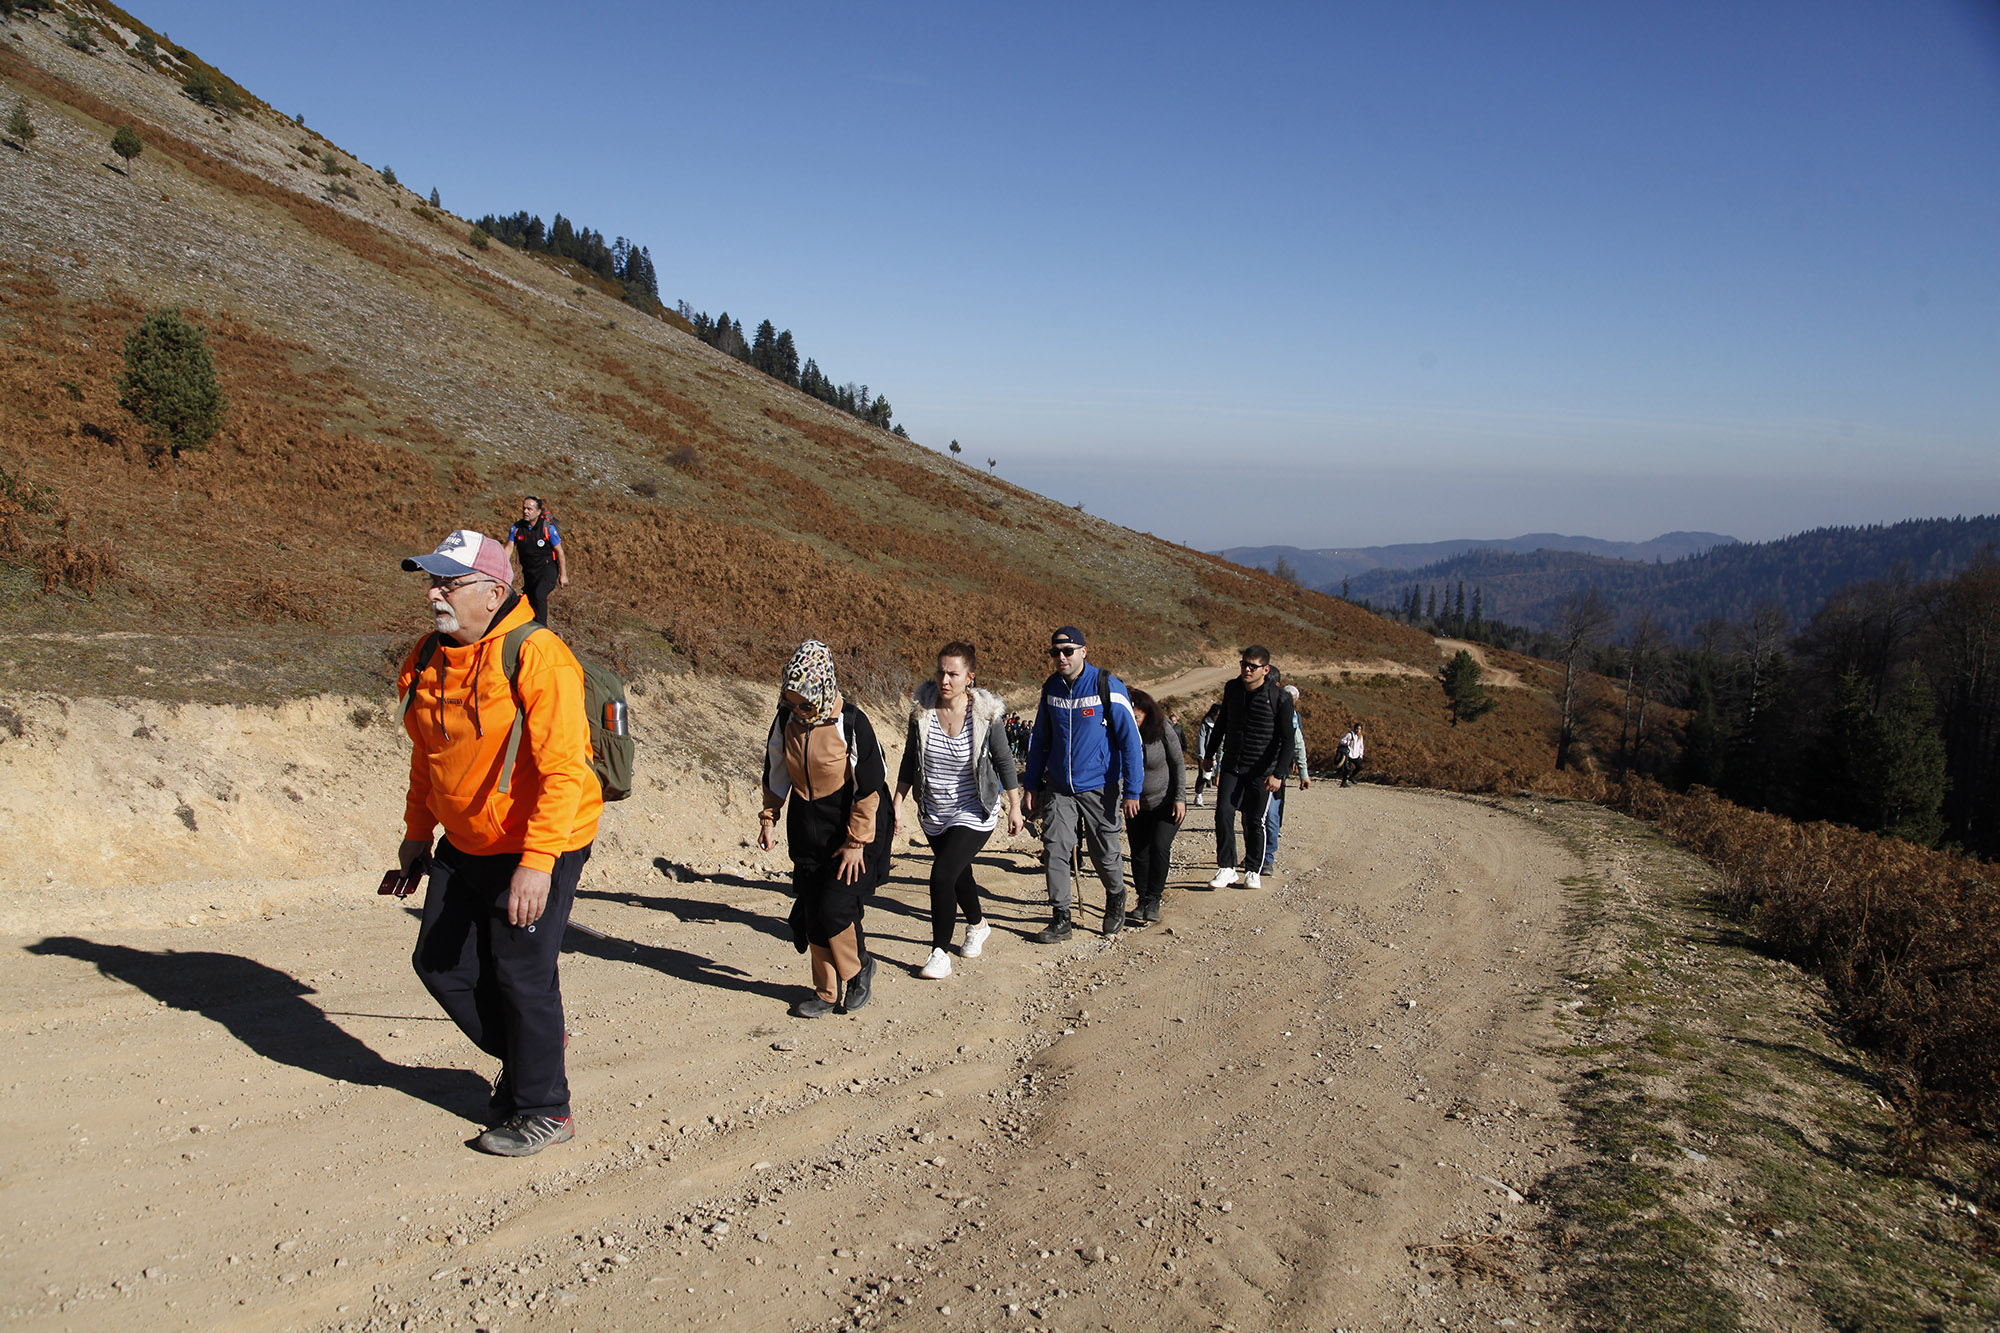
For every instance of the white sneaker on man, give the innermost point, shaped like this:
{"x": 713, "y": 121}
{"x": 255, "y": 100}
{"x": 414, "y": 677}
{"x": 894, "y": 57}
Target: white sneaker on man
{"x": 937, "y": 967}
{"x": 1223, "y": 878}
{"x": 1200, "y": 799}
{"x": 1253, "y": 880}
{"x": 975, "y": 940}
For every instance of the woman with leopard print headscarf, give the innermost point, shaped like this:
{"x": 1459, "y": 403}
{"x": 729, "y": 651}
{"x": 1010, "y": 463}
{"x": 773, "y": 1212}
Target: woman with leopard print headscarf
{"x": 823, "y": 757}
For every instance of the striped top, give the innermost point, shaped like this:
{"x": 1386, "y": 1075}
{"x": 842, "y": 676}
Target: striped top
{"x": 951, "y": 786}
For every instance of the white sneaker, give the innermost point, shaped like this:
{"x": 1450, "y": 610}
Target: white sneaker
{"x": 1253, "y": 880}
{"x": 1224, "y": 878}
{"x": 937, "y": 967}
{"x": 1200, "y": 799}
{"x": 975, "y": 940}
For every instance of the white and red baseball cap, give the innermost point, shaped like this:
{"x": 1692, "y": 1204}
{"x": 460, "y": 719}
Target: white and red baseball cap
{"x": 464, "y": 552}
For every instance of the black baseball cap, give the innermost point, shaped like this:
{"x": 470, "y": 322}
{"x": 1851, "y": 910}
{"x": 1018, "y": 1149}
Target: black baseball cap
{"x": 1068, "y": 634}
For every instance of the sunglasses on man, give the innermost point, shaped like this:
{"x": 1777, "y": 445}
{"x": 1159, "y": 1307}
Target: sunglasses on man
{"x": 1067, "y": 650}
{"x": 1248, "y": 665}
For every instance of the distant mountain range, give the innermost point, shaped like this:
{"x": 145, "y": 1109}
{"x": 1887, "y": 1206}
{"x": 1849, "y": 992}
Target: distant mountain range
{"x": 1326, "y": 567}
{"x": 1729, "y": 581}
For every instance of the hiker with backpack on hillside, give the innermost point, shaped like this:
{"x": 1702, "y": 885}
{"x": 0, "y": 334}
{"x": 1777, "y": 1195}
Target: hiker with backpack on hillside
{"x": 1206, "y": 749}
{"x": 957, "y": 759}
{"x": 1352, "y": 750}
{"x": 822, "y": 760}
{"x": 1256, "y": 735}
{"x": 1274, "y": 817}
{"x": 1162, "y": 805}
{"x": 1083, "y": 755}
{"x": 544, "y": 566}
{"x": 501, "y": 758}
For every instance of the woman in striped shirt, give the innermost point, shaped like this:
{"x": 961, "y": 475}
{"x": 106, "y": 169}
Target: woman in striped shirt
{"x": 957, "y": 758}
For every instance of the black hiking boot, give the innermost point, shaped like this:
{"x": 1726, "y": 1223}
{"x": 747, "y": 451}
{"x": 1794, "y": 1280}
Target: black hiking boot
{"x": 1147, "y": 913}
{"x": 859, "y": 986}
{"x": 813, "y": 1007}
{"x": 1114, "y": 913}
{"x": 1056, "y": 931}
{"x": 500, "y": 1106}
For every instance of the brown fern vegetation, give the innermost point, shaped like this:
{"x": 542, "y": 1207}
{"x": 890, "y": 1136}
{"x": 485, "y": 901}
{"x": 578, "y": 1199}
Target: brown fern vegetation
{"x": 1906, "y": 939}
{"x": 743, "y": 517}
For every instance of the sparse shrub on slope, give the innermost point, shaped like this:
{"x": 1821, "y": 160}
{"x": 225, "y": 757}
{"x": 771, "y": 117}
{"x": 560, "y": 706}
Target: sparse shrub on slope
{"x": 170, "y": 384}
{"x": 127, "y": 144}
{"x": 21, "y": 126}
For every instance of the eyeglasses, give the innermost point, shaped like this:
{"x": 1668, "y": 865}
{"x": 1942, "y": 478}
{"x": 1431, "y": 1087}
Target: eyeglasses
{"x": 1248, "y": 665}
{"x": 449, "y": 586}
{"x": 1067, "y": 650}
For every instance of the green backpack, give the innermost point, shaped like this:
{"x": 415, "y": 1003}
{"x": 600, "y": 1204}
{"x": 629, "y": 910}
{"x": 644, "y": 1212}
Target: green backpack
{"x": 611, "y": 748}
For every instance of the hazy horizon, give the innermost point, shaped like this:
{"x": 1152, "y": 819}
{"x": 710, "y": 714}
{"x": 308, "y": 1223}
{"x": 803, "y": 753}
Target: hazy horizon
{"x": 1305, "y": 275}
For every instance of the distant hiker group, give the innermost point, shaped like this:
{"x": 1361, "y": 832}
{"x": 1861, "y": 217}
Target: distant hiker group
{"x": 517, "y": 744}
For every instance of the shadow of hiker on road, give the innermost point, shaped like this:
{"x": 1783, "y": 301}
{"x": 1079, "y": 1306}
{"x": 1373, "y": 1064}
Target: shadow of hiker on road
{"x": 266, "y": 1010}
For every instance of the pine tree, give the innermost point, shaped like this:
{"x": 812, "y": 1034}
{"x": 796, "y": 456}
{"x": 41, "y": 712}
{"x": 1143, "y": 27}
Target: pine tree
{"x": 435, "y": 201}
{"x": 763, "y": 348}
{"x": 786, "y": 358}
{"x": 170, "y": 385}
{"x": 1431, "y": 609}
{"x": 200, "y": 85}
{"x": 956, "y": 448}
{"x": 127, "y": 144}
{"x": 1464, "y": 697}
{"x": 19, "y": 127}
{"x": 1911, "y": 786}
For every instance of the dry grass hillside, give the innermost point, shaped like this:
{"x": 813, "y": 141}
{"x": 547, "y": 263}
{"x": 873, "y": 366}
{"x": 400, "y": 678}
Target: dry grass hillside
{"x": 388, "y": 381}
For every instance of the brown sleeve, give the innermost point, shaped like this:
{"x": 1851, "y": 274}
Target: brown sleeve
{"x": 861, "y": 819}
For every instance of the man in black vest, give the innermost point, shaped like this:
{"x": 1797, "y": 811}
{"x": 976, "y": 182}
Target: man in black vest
{"x": 1256, "y": 733}
{"x": 539, "y": 547}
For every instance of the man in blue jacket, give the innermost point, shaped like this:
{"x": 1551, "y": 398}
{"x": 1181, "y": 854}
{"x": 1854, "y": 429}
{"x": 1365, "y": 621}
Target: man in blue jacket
{"x": 1084, "y": 750}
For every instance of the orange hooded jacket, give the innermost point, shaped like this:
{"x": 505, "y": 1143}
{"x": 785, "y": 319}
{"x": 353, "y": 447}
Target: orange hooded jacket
{"x": 458, "y": 725}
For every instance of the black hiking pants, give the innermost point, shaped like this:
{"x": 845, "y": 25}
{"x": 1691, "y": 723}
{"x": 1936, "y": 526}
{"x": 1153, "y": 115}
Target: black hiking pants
{"x": 498, "y": 982}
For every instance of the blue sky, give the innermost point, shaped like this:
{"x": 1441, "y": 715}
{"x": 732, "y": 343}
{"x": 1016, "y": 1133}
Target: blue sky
{"x": 1326, "y": 275}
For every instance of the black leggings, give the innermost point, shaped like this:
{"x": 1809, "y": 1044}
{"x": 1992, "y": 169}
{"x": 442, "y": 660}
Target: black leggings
{"x": 1152, "y": 833}
{"x": 952, "y": 886}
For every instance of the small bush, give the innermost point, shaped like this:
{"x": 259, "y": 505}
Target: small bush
{"x": 479, "y": 238}
{"x": 146, "y": 48}
{"x": 420, "y": 211}
{"x": 170, "y": 385}
{"x": 389, "y": 176}
{"x": 78, "y": 37}
{"x": 685, "y": 458}
{"x": 645, "y": 486}
{"x": 200, "y": 85}
{"x": 127, "y": 143}
{"x": 329, "y": 165}
{"x": 19, "y": 127}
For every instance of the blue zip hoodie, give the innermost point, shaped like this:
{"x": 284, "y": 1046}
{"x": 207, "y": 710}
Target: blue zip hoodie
{"x": 1073, "y": 750}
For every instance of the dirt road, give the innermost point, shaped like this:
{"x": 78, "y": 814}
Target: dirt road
{"x": 1252, "y": 1110}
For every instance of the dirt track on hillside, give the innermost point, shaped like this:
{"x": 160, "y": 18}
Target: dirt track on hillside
{"x": 1254, "y": 1110}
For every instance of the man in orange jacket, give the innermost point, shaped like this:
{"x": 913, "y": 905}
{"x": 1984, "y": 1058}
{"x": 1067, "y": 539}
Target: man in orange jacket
{"x": 506, "y": 770}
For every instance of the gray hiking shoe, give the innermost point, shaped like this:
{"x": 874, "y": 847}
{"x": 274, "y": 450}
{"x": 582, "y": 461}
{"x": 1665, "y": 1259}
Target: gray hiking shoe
{"x": 526, "y": 1135}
